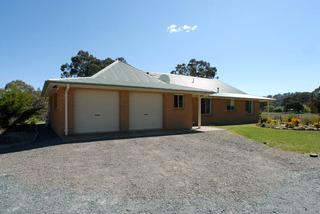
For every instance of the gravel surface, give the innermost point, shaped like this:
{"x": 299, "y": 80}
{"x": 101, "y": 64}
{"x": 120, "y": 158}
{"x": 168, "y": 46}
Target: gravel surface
{"x": 208, "y": 172}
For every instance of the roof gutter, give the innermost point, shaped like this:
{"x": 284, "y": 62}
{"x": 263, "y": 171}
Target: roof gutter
{"x": 123, "y": 87}
{"x": 243, "y": 98}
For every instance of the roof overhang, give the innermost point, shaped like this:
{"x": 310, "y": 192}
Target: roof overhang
{"x": 51, "y": 85}
{"x": 240, "y": 97}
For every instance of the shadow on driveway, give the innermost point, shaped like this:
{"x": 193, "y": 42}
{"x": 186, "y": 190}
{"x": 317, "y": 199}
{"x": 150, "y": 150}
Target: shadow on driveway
{"x": 46, "y": 138}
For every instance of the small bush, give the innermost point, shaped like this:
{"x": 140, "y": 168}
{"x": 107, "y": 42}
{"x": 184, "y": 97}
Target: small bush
{"x": 289, "y": 125}
{"x": 306, "y": 109}
{"x": 307, "y": 119}
{"x": 295, "y": 121}
{"x": 263, "y": 119}
{"x": 316, "y": 122}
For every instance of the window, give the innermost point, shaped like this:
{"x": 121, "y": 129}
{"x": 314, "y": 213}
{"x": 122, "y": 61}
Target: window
{"x": 205, "y": 106}
{"x": 178, "y": 101}
{"x": 249, "y": 106}
{"x": 230, "y": 106}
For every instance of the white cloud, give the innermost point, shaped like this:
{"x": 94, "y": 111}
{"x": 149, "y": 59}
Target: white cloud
{"x": 173, "y": 29}
{"x": 185, "y": 28}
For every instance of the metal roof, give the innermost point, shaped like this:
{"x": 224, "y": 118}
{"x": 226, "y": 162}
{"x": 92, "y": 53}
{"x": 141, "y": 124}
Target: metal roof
{"x": 120, "y": 74}
{"x": 198, "y": 82}
{"x": 219, "y": 88}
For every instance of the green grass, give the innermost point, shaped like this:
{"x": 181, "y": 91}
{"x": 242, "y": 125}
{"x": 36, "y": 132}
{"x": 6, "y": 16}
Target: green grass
{"x": 288, "y": 140}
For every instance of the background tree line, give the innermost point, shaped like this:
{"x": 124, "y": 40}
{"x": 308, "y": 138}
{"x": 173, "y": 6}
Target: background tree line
{"x": 85, "y": 65}
{"x": 297, "y": 102}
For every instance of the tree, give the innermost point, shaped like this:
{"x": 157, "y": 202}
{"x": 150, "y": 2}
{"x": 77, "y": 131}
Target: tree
{"x": 19, "y": 102}
{"x": 315, "y": 100}
{"x": 196, "y": 68}
{"x": 85, "y": 65}
{"x": 294, "y": 106}
{"x": 20, "y": 85}
{"x": 298, "y": 101}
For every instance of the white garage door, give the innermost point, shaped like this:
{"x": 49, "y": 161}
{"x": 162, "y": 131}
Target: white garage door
{"x": 145, "y": 111}
{"x": 96, "y": 111}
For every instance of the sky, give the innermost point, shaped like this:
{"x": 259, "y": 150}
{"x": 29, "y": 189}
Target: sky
{"x": 261, "y": 47}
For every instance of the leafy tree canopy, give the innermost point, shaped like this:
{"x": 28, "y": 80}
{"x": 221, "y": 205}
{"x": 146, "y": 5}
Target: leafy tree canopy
{"x": 85, "y": 65}
{"x": 196, "y": 68}
{"x": 19, "y": 102}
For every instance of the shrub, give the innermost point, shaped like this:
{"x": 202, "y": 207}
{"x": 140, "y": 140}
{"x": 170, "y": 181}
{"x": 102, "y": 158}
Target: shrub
{"x": 316, "y": 122}
{"x": 306, "y": 109}
{"x": 295, "y": 121}
{"x": 13, "y": 103}
{"x": 289, "y": 120}
{"x": 33, "y": 120}
{"x": 263, "y": 119}
{"x": 269, "y": 120}
{"x": 306, "y": 121}
{"x": 278, "y": 109}
{"x": 18, "y": 102}
{"x": 289, "y": 125}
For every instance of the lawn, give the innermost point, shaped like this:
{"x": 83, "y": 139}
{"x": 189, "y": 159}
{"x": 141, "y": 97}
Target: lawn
{"x": 288, "y": 140}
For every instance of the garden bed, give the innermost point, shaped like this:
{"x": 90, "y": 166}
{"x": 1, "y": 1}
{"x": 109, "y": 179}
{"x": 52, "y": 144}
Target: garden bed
{"x": 310, "y": 122}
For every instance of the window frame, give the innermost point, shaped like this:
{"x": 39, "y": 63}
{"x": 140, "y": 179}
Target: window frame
{"x": 179, "y": 105}
{"x": 249, "y": 103}
{"x": 210, "y": 106}
{"x": 231, "y": 104}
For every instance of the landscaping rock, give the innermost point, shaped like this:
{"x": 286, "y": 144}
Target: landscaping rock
{"x": 314, "y": 155}
{"x": 309, "y": 128}
{"x": 299, "y": 128}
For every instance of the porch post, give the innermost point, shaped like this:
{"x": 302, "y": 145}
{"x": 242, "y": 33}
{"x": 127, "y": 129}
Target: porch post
{"x": 66, "y": 110}
{"x": 268, "y": 106}
{"x": 199, "y": 111}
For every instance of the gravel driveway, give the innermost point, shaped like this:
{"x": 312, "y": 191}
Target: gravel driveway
{"x": 208, "y": 172}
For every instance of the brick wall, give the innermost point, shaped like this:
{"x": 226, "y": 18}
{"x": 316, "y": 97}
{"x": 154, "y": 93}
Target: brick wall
{"x": 177, "y": 118}
{"x": 220, "y": 115}
{"x": 57, "y": 111}
{"x": 172, "y": 118}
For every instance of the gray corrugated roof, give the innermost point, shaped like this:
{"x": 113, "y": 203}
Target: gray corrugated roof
{"x": 225, "y": 90}
{"x": 198, "y": 82}
{"x": 120, "y": 74}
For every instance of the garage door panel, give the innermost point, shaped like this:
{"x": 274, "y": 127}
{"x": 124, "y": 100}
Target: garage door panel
{"x": 96, "y": 111}
{"x": 145, "y": 111}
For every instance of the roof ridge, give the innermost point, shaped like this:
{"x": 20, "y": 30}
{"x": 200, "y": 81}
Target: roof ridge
{"x": 105, "y": 68}
{"x": 145, "y": 73}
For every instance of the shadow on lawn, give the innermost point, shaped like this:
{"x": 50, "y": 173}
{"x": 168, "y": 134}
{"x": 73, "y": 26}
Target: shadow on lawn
{"x": 46, "y": 138}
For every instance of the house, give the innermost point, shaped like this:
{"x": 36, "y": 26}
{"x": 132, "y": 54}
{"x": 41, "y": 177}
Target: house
{"x": 227, "y": 105}
{"x": 122, "y": 98}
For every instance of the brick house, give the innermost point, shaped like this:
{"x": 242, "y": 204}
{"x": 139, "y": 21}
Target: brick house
{"x": 122, "y": 98}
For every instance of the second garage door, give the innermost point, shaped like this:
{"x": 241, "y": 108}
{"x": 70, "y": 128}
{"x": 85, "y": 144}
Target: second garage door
{"x": 145, "y": 111}
{"x": 96, "y": 111}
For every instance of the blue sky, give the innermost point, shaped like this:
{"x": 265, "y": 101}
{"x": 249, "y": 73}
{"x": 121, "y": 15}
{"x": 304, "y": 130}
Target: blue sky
{"x": 261, "y": 47}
